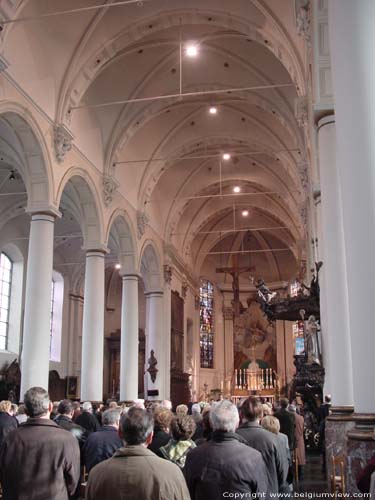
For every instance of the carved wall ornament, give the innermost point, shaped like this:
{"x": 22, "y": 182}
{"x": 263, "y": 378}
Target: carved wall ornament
{"x": 184, "y": 289}
{"x": 109, "y": 187}
{"x": 62, "y": 140}
{"x": 167, "y": 273}
{"x": 228, "y": 313}
{"x": 301, "y": 111}
{"x": 197, "y": 302}
{"x": 142, "y": 221}
{"x": 304, "y": 174}
{"x": 303, "y": 20}
{"x": 152, "y": 362}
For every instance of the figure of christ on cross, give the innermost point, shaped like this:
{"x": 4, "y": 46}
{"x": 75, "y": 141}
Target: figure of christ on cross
{"x": 235, "y": 272}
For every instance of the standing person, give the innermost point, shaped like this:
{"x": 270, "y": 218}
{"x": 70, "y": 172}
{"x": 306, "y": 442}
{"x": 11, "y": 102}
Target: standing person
{"x": 87, "y": 420}
{"x": 260, "y": 439}
{"x": 287, "y": 422}
{"x": 162, "y": 422}
{"x": 272, "y": 424}
{"x": 177, "y": 449}
{"x": 7, "y": 422}
{"x": 102, "y": 444}
{"x": 39, "y": 460}
{"x": 224, "y": 465}
{"x": 134, "y": 472}
{"x": 299, "y": 439}
{"x": 64, "y": 417}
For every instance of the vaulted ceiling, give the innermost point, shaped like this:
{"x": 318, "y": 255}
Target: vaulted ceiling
{"x": 164, "y": 148}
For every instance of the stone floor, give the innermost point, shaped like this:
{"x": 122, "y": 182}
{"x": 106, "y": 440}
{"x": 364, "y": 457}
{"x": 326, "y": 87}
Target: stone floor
{"x": 313, "y": 480}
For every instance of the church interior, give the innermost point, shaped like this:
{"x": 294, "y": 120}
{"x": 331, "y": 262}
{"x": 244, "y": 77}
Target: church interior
{"x": 187, "y": 205}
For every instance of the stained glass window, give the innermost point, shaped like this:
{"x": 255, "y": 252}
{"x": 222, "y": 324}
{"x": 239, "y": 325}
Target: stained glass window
{"x": 298, "y": 337}
{"x": 207, "y": 324}
{"x": 5, "y": 289}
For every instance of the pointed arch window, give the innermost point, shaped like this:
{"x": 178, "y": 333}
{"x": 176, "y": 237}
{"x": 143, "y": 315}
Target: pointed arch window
{"x": 6, "y": 268}
{"x": 206, "y": 296}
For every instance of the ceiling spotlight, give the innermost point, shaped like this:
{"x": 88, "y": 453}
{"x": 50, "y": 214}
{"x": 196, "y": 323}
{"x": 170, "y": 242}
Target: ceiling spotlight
{"x": 213, "y": 110}
{"x": 192, "y": 50}
{"x": 12, "y": 177}
{"x": 226, "y": 156}
{"x": 236, "y": 189}
{"x": 245, "y": 213}
{"x": 118, "y": 266}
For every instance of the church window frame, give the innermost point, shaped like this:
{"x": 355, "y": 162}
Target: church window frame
{"x": 206, "y": 323}
{"x": 6, "y": 275}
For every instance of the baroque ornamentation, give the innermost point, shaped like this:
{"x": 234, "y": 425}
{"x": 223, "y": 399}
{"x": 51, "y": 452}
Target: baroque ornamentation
{"x": 301, "y": 111}
{"x": 152, "y": 362}
{"x": 196, "y": 302}
{"x": 228, "y": 313}
{"x": 142, "y": 221}
{"x": 167, "y": 273}
{"x": 304, "y": 174}
{"x": 109, "y": 187}
{"x": 184, "y": 289}
{"x": 303, "y": 20}
{"x": 62, "y": 140}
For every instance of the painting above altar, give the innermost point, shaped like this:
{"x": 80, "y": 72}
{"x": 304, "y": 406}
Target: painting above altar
{"x": 254, "y": 338}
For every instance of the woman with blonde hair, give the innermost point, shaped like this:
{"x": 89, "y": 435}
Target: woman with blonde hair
{"x": 272, "y": 424}
{"x": 7, "y": 422}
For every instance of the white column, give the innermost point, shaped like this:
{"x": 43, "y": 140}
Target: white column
{"x": 155, "y": 343}
{"x": 129, "y": 339}
{"x": 93, "y": 328}
{"x": 352, "y": 43}
{"x": 36, "y": 331}
{"x": 336, "y": 315}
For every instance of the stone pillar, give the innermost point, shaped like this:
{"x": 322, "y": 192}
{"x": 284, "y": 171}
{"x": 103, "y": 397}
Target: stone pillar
{"x": 129, "y": 339}
{"x": 166, "y": 337}
{"x": 93, "y": 328}
{"x": 354, "y": 85}
{"x": 336, "y": 327}
{"x": 353, "y": 79}
{"x": 228, "y": 346}
{"x": 37, "y": 318}
{"x": 155, "y": 324}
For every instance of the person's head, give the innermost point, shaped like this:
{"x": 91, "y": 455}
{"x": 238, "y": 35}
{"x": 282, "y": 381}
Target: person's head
{"x": 267, "y": 410}
{"x": 284, "y": 403}
{"x": 112, "y": 405}
{"x": 162, "y": 419}
{"x": 87, "y": 406}
{"x": 136, "y": 427}
{"x": 182, "y": 427}
{"x": 292, "y": 408}
{"x": 181, "y": 410}
{"x": 166, "y": 403}
{"x": 5, "y": 406}
{"x": 65, "y": 408}
{"x": 251, "y": 409}
{"x": 111, "y": 417}
{"x": 224, "y": 417}
{"x": 271, "y": 423}
{"x": 76, "y": 405}
{"x": 196, "y": 408}
{"x": 21, "y": 410}
{"x": 37, "y": 403}
{"x": 327, "y": 398}
{"x": 139, "y": 403}
{"x": 206, "y": 424}
{"x": 14, "y": 409}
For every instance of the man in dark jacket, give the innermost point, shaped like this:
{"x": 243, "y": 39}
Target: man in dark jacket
{"x": 87, "y": 420}
{"x": 102, "y": 444}
{"x": 64, "y": 417}
{"x": 264, "y": 441}
{"x": 7, "y": 422}
{"x": 39, "y": 459}
{"x": 224, "y": 465}
{"x": 287, "y": 422}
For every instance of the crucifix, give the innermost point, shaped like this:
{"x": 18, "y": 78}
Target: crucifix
{"x": 235, "y": 272}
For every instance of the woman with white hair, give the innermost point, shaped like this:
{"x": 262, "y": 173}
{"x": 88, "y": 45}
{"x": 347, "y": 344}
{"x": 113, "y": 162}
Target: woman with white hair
{"x": 224, "y": 463}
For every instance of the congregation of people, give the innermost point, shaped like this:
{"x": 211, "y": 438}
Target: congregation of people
{"x": 147, "y": 451}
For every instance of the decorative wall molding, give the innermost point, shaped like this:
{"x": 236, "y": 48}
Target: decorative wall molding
{"x": 184, "y": 289}
{"x": 110, "y": 186}
{"x": 142, "y": 222}
{"x": 62, "y": 141}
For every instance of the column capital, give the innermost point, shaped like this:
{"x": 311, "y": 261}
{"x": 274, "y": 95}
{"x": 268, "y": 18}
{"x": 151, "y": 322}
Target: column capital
{"x": 151, "y": 294}
{"x": 49, "y": 211}
{"x": 100, "y": 251}
{"x": 326, "y": 120}
{"x": 130, "y": 277}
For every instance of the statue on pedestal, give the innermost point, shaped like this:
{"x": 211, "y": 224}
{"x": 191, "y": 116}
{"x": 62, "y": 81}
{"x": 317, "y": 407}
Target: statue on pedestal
{"x": 152, "y": 362}
{"x": 312, "y": 341}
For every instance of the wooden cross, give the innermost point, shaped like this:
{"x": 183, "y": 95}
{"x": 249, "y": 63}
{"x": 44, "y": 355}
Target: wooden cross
{"x": 235, "y": 271}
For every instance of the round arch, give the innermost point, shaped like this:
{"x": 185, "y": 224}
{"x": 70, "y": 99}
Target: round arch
{"x": 120, "y": 236}
{"x": 150, "y": 267}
